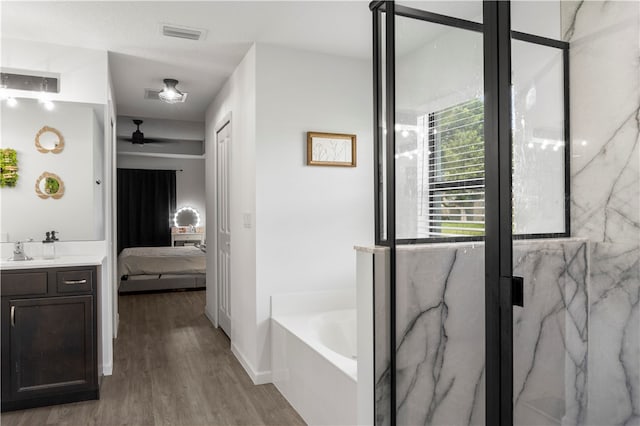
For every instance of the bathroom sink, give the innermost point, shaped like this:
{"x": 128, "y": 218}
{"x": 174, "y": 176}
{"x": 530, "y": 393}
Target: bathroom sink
{"x": 9, "y": 263}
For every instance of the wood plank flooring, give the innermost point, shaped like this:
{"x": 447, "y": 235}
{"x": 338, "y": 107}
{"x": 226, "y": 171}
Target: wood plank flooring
{"x": 171, "y": 367}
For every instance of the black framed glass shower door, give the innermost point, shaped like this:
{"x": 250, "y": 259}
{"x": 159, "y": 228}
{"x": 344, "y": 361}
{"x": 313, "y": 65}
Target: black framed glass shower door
{"x": 443, "y": 130}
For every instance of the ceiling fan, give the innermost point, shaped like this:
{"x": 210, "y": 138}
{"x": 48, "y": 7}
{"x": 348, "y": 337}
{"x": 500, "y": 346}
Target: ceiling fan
{"x": 137, "y": 137}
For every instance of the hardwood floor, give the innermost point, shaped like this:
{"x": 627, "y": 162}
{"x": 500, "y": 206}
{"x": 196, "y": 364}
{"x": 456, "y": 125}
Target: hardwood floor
{"x": 171, "y": 367}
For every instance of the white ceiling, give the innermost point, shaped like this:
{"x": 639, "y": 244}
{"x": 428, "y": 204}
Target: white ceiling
{"x": 141, "y": 57}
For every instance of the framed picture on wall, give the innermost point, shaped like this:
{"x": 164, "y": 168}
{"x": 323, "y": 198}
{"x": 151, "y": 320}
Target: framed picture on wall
{"x": 331, "y": 149}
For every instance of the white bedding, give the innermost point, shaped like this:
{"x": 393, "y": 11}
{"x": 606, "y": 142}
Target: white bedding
{"x": 162, "y": 260}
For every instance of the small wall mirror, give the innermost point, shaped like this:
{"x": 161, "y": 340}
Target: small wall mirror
{"x": 186, "y": 216}
{"x": 49, "y": 185}
{"x": 49, "y": 139}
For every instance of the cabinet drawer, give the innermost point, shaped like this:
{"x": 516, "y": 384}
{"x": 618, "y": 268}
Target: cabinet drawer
{"x": 24, "y": 283}
{"x": 74, "y": 281}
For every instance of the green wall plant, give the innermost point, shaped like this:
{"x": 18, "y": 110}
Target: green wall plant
{"x": 8, "y": 167}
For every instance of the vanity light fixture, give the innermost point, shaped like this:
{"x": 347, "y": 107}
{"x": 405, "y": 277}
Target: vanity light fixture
{"x": 170, "y": 94}
{"x": 44, "y": 97}
{"x": 4, "y": 86}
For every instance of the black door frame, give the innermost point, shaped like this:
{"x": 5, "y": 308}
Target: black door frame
{"x": 498, "y": 249}
{"x": 497, "y": 35}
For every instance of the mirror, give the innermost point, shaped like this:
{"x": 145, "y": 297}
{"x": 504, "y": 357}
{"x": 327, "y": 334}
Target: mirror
{"x": 186, "y": 216}
{"x": 71, "y": 202}
{"x": 49, "y": 185}
{"x": 50, "y": 140}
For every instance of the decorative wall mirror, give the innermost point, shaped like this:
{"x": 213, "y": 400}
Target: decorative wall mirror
{"x": 49, "y": 185}
{"x": 186, "y": 216}
{"x": 49, "y": 139}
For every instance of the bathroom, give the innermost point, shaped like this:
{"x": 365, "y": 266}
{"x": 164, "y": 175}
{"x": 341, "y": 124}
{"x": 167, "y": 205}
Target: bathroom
{"x": 397, "y": 288}
{"x": 568, "y": 352}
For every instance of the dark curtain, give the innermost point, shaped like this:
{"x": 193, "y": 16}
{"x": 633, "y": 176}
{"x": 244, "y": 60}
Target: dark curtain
{"x": 146, "y": 203}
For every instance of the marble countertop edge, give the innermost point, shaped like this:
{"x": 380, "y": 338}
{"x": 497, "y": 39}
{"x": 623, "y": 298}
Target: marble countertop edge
{"x": 58, "y": 262}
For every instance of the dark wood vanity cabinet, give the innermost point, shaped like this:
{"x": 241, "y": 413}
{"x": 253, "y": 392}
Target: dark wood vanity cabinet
{"x": 49, "y": 336}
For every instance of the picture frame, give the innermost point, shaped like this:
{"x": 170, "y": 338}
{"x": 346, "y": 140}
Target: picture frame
{"x": 331, "y": 149}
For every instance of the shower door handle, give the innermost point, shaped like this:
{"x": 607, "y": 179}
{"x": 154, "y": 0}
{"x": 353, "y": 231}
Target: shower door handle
{"x": 517, "y": 291}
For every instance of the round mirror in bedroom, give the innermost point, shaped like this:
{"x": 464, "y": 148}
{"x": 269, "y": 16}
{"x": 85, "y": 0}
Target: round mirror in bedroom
{"x": 186, "y": 216}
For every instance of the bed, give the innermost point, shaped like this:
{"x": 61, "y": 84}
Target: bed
{"x": 161, "y": 268}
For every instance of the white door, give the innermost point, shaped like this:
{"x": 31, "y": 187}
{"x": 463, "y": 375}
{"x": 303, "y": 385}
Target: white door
{"x": 223, "y": 138}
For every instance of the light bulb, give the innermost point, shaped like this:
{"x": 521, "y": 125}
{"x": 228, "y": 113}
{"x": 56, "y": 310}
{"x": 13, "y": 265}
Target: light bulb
{"x": 530, "y": 144}
{"x": 405, "y": 133}
{"x": 48, "y": 105}
{"x": 12, "y": 102}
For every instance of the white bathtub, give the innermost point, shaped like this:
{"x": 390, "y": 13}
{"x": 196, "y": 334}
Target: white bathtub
{"x": 314, "y": 364}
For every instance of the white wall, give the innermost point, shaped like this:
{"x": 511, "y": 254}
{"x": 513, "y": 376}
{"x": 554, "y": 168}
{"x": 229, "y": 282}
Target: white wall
{"x": 309, "y": 218}
{"x": 238, "y": 98}
{"x": 305, "y": 220}
{"x": 99, "y": 193}
{"x": 74, "y": 215}
{"x": 190, "y": 189}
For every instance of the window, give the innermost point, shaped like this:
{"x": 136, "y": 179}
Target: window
{"x": 452, "y": 193}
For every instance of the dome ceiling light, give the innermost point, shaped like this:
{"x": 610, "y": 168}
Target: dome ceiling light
{"x": 170, "y": 94}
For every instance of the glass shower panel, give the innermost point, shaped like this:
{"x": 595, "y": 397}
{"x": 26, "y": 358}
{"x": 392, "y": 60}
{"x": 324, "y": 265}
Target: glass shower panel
{"x": 549, "y": 332}
{"x": 439, "y": 290}
{"x": 439, "y": 131}
{"x": 538, "y": 139}
{"x": 382, "y": 128}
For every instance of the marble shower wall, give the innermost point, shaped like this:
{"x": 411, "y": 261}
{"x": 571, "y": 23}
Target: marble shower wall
{"x": 440, "y": 335}
{"x": 605, "y": 190}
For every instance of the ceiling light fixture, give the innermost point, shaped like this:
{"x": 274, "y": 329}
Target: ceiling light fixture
{"x": 170, "y": 94}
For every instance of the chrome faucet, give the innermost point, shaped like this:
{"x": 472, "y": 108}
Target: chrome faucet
{"x": 18, "y": 252}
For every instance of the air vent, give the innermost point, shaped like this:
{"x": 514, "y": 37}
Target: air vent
{"x": 182, "y": 32}
{"x": 153, "y": 95}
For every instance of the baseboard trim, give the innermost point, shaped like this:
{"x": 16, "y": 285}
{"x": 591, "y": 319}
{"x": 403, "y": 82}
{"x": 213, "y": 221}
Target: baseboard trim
{"x": 106, "y": 370}
{"x": 257, "y": 377}
{"x": 210, "y": 316}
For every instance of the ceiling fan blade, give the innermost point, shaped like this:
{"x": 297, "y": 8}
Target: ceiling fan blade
{"x": 133, "y": 141}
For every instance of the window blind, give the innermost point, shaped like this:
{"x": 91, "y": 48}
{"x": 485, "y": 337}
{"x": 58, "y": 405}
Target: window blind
{"x": 455, "y": 181}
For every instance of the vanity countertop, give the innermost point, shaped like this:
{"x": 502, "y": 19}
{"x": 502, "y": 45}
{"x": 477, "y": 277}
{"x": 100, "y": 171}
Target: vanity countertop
{"x": 60, "y": 261}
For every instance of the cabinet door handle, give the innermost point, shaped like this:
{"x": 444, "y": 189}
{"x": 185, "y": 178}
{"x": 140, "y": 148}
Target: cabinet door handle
{"x": 71, "y": 282}
{"x": 13, "y": 316}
